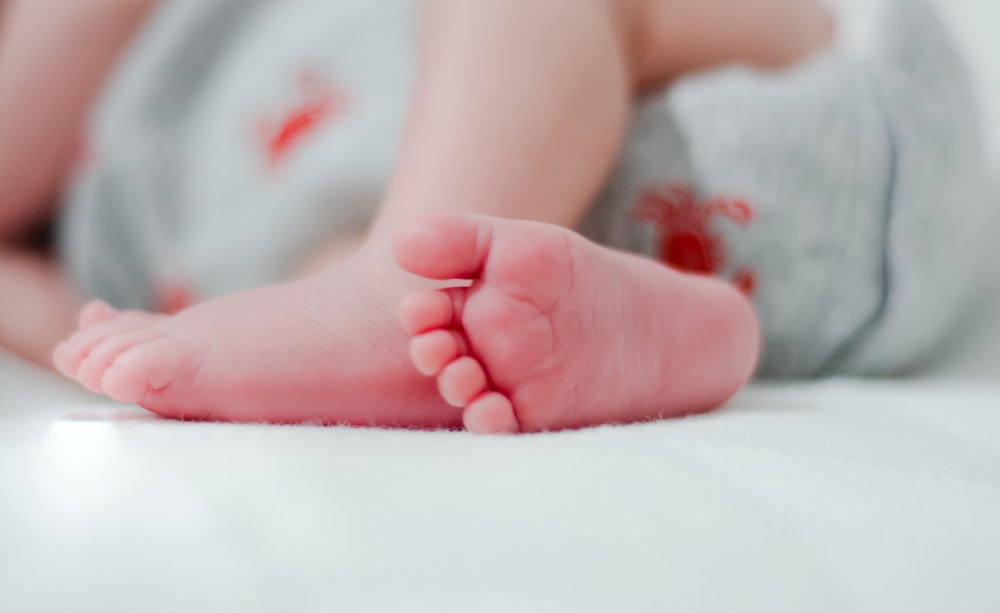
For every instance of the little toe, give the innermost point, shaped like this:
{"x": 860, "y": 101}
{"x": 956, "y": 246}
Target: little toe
{"x": 433, "y": 351}
{"x": 92, "y": 369}
{"x": 491, "y": 413}
{"x": 96, "y": 312}
{"x": 426, "y": 310}
{"x": 461, "y": 381}
{"x": 150, "y": 368}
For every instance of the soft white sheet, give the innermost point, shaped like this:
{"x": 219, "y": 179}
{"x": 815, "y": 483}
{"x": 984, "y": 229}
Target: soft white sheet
{"x": 830, "y": 496}
{"x": 975, "y": 24}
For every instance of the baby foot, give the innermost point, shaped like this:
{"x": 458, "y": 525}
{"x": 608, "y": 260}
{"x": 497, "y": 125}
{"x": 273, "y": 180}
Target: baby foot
{"x": 325, "y": 349}
{"x": 557, "y": 332}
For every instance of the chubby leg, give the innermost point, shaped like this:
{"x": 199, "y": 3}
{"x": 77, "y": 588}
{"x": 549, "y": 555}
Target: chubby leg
{"x": 521, "y": 105}
{"x": 37, "y": 308}
{"x": 519, "y": 112}
{"x": 557, "y": 332}
{"x": 53, "y": 57}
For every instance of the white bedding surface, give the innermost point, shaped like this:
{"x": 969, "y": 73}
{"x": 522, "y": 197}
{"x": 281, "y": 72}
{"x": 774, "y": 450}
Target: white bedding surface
{"x": 841, "y": 495}
{"x": 828, "y": 496}
{"x": 975, "y": 25}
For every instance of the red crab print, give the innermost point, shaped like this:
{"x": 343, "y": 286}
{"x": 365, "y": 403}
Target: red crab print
{"x": 174, "y": 296}
{"x": 321, "y": 101}
{"x": 684, "y": 234}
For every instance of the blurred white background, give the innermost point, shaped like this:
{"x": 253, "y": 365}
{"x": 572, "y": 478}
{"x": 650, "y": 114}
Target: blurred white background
{"x": 977, "y": 25}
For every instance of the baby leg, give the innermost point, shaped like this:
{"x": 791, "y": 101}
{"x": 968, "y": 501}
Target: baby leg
{"x": 329, "y": 347}
{"x": 38, "y": 307}
{"x": 53, "y": 57}
{"x": 522, "y": 106}
{"x": 519, "y": 111}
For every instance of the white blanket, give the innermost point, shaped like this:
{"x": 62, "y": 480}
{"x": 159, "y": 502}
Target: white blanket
{"x": 830, "y": 496}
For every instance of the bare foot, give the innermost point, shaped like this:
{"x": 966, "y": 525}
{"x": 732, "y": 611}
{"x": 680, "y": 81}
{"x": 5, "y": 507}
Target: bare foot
{"x": 557, "y": 332}
{"x": 37, "y": 306}
{"x": 325, "y": 349}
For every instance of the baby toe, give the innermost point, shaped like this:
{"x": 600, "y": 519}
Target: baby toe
{"x": 92, "y": 369}
{"x": 461, "y": 381}
{"x": 433, "y": 351}
{"x": 96, "y": 312}
{"x": 424, "y": 311}
{"x": 146, "y": 373}
{"x": 491, "y": 413}
{"x": 70, "y": 355}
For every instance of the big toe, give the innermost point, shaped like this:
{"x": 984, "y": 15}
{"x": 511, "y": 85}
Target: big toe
{"x": 149, "y": 373}
{"x": 443, "y": 246}
{"x": 522, "y": 258}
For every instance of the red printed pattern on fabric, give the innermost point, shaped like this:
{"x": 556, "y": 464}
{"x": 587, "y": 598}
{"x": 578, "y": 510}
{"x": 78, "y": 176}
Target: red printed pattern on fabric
{"x": 172, "y": 297}
{"x": 685, "y": 239}
{"x": 321, "y": 102}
